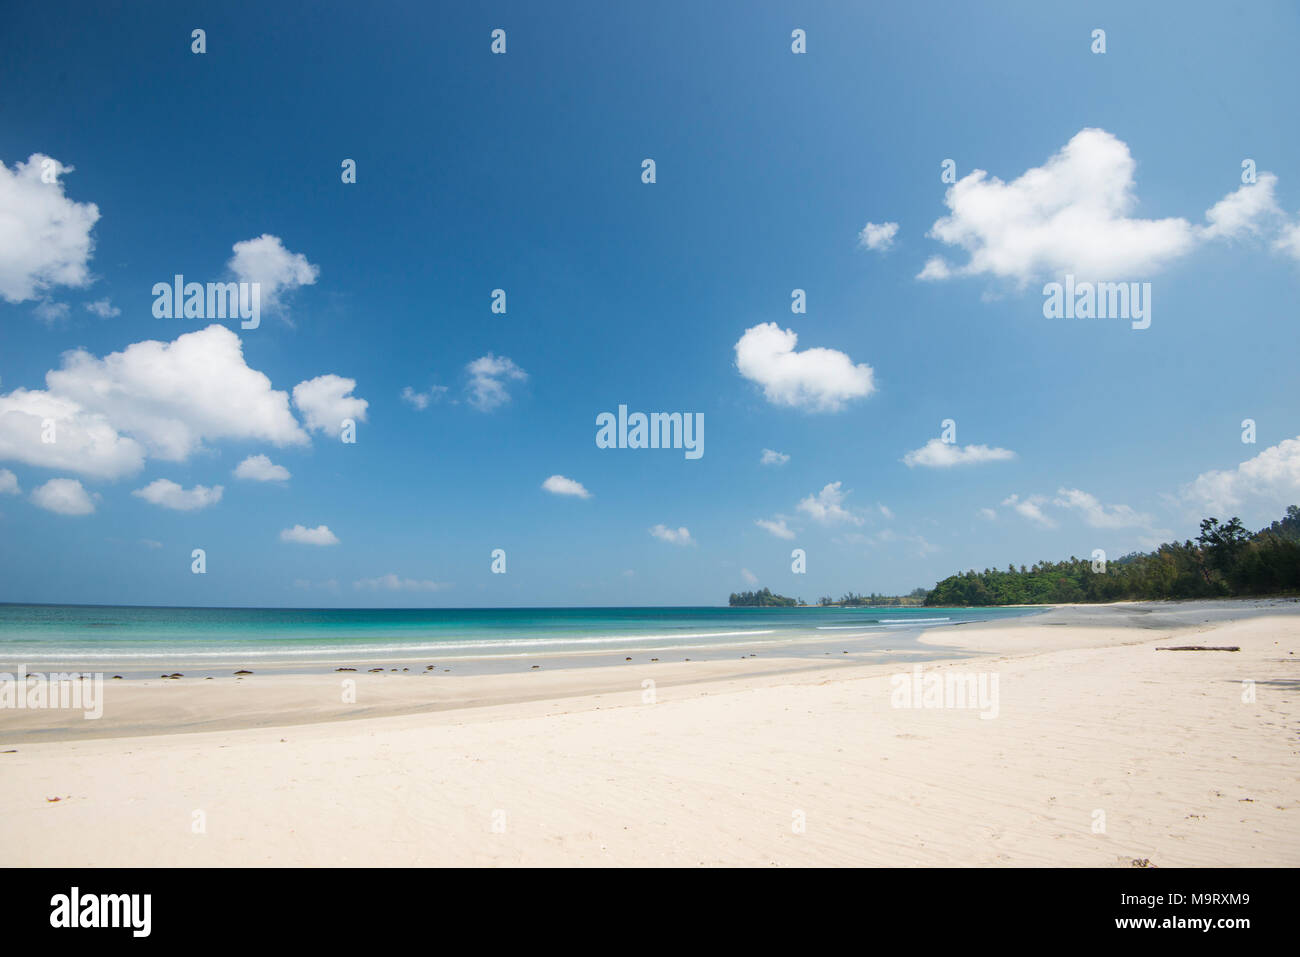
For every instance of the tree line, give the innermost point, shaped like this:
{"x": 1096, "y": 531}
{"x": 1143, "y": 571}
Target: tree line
{"x": 1225, "y": 560}
{"x": 762, "y": 597}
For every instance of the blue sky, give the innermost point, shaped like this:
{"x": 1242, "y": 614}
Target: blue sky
{"x": 523, "y": 172}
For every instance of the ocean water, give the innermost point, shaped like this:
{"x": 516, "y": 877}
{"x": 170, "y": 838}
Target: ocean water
{"x": 131, "y": 639}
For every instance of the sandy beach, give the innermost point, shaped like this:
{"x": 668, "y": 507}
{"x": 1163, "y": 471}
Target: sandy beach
{"x": 1097, "y": 750}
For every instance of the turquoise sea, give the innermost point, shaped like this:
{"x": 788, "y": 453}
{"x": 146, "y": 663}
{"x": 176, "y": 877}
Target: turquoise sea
{"x": 126, "y": 638}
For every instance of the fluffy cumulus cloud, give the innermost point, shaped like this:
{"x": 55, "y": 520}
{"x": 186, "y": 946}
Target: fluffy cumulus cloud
{"x": 172, "y": 396}
{"x": 817, "y": 380}
{"x": 827, "y": 506}
{"x": 878, "y": 236}
{"x": 489, "y": 379}
{"x": 393, "y": 582}
{"x": 301, "y": 535}
{"x": 325, "y": 402}
{"x": 674, "y": 536}
{"x": 167, "y": 494}
{"x": 45, "y": 237}
{"x": 771, "y": 457}
{"x": 64, "y": 496}
{"x": 277, "y": 271}
{"x": 9, "y": 483}
{"x": 1243, "y": 212}
{"x": 1098, "y": 515}
{"x": 937, "y": 454}
{"x": 777, "y": 526}
{"x": 259, "y": 468}
{"x": 1266, "y": 483}
{"x": 103, "y": 417}
{"x": 40, "y": 428}
{"x": 1073, "y": 215}
{"x": 559, "y": 485}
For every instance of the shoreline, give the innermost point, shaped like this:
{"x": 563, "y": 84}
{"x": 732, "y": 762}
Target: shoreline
{"x": 520, "y": 652}
{"x": 712, "y": 768}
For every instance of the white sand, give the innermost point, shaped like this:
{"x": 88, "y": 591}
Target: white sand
{"x": 580, "y": 771}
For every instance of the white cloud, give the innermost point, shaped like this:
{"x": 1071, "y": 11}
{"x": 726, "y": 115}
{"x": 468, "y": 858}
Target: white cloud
{"x": 392, "y": 582}
{"x": 44, "y": 236}
{"x": 50, "y": 312}
{"x": 65, "y": 496}
{"x": 777, "y": 526}
{"x": 750, "y": 577}
{"x": 421, "y": 400}
{"x": 1098, "y": 515}
{"x": 827, "y": 506}
{"x": 935, "y": 268}
{"x": 161, "y": 399}
{"x": 884, "y": 510}
{"x": 1241, "y": 212}
{"x": 9, "y": 483}
{"x": 320, "y": 535}
{"x": 324, "y": 403}
{"x": 259, "y": 468}
{"x": 988, "y": 513}
{"x": 1031, "y": 508}
{"x": 1269, "y": 481}
{"x": 942, "y": 455}
{"x": 675, "y": 536}
{"x": 559, "y": 485}
{"x": 1288, "y": 241}
{"x": 773, "y": 458}
{"x": 84, "y": 441}
{"x": 878, "y": 236}
{"x": 817, "y": 380}
{"x": 1072, "y": 216}
{"x": 277, "y": 271}
{"x": 417, "y": 399}
{"x": 488, "y": 377}
{"x": 167, "y": 494}
{"x": 103, "y": 308}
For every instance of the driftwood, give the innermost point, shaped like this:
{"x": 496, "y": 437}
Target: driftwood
{"x": 1201, "y": 648}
